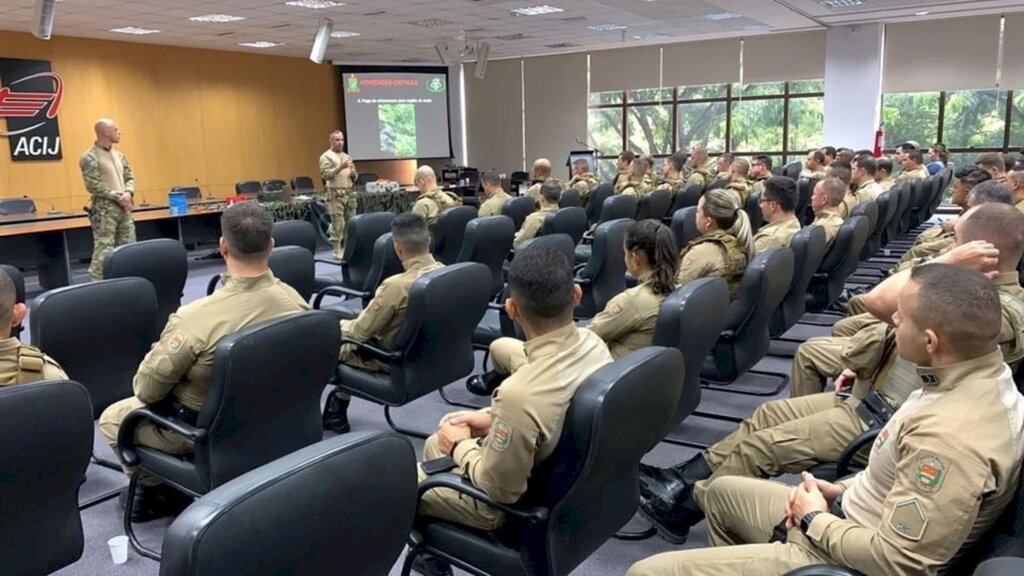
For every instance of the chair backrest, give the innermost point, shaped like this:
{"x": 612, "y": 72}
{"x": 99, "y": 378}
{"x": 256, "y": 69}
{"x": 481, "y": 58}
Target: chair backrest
{"x": 364, "y": 179}
{"x": 247, "y": 187}
{"x": 516, "y": 178}
{"x": 303, "y": 183}
{"x": 901, "y": 197}
{"x": 839, "y": 262}
{"x": 691, "y": 319}
{"x": 654, "y": 205}
{"x": 804, "y": 188}
{"x": 361, "y": 234}
{"x": 162, "y": 261}
{"x": 745, "y": 338}
{"x": 265, "y": 402}
{"x": 595, "y": 202}
{"x": 606, "y": 268}
{"x": 687, "y": 197}
{"x": 912, "y": 189}
{"x": 886, "y": 209}
{"x": 597, "y": 458}
{"x": 191, "y": 192}
{"x": 570, "y": 198}
{"x": 98, "y": 332}
{"x": 488, "y": 241}
{"x": 562, "y": 243}
{"x": 19, "y": 290}
{"x": 445, "y": 306}
{"x": 46, "y": 432}
{"x": 294, "y": 266}
{"x": 792, "y": 170}
{"x": 617, "y": 207}
{"x": 262, "y": 521}
{"x": 518, "y": 209}
{"x": 868, "y": 210}
{"x": 945, "y": 177}
{"x": 273, "y": 185}
{"x": 684, "y": 226}
{"x": 17, "y": 206}
{"x": 753, "y": 210}
{"x": 808, "y": 246}
{"x": 295, "y": 233}
{"x": 571, "y": 221}
{"x": 922, "y": 199}
{"x": 451, "y": 227}
{"x": 385, "y": 264}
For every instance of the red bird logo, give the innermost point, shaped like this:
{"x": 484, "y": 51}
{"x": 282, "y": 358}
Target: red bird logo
{"x": 30, "y": 104}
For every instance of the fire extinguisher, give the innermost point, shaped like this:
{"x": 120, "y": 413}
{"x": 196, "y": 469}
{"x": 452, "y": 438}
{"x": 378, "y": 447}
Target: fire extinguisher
{"x": 879, "y": 140}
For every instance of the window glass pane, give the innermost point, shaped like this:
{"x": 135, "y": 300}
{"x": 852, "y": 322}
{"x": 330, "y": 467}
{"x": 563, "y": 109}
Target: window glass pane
{"x": 806, "y": 86}
{"x": 606, "y": 97}
{"x": 910, "y": 117}
{"x": 959, "y": 159}
{"x": 650, "y": 95}
{"x": 1017, "y": 121}
{"x": 757, "y": 125}
{"x": 763, "y": 89}
{"x": 974, "y": 119}
{"x": 606, "y": 169}
{"x": 604, "y": 129}
{"x": 650, "y": 129}
{"x": 806, "y": 123}
{"x": 702, "y": 124}
{"x": 701, "y": 92}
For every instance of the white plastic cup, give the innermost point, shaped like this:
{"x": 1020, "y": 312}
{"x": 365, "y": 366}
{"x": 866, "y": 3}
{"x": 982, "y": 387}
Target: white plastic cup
{"x": 118, "y": 549}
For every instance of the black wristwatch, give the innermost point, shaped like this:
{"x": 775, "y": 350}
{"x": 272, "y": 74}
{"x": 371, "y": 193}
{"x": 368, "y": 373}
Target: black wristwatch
{"x": 805, "y": 522}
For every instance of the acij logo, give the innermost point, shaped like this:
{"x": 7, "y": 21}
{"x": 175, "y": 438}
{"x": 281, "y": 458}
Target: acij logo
{"x": 30, "y": 97}
{"x": 436, "y": 84}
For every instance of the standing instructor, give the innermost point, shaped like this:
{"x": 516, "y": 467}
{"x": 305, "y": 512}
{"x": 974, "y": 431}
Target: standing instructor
{"x": 339, "y": 174}
{"x": 110, "y": 182}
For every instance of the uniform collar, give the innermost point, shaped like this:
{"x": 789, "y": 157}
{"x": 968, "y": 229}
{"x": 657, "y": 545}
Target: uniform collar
{"x": 645, "y": 278}
{"x": 945, "y": 378}
{"x": 1019, "y": 205}
{"x": 1006, "y": 279}
{"x": 417, "y": 262}
{"x": 552, "y": 342}
{"x": 827, "y": 213}
{"x": 246, "y": 283}
{"x": 9, "y": 344}
{"x": 866, "y": 184}
{"x": 549, "y": 208}
{"x": 430, "y": 192}
{"x": 101, "y": 147}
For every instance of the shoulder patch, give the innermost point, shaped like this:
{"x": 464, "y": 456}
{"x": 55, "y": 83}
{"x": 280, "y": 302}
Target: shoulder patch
{"x": 908, "y": 519}
{"x": 177, "y": 341}
{"x": 929, "y": 474}
{"x": 615, "y": 307}
{"x": 883, "y": 437}
{"x": 502, "y": 436}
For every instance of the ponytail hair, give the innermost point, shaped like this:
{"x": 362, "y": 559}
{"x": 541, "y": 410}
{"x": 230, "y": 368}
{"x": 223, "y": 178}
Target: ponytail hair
{"x": 725, "y": 208}
{"x": 658, "y": 245}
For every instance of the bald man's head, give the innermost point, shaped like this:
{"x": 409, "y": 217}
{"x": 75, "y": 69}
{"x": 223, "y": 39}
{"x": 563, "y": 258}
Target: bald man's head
{"x": 107, "y": 132}
{"x": 541, "y": 169}
{"x": 425, "y": 178}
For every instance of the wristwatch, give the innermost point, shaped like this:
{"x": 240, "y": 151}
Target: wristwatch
{"x": 805, "y": 522}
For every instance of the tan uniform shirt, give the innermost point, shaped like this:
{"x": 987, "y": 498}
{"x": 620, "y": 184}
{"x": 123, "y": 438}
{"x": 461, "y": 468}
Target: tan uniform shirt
{"x": 620, "y": 181}
{"x": 528, "y": 412}
{"x": 21, "y": 364}
{"x": 918, "y": 173}
{"x": 534, "y": 191}
{"x": 337, "y": 170}
{"x": 181, "y": 363}
{"x": 776, "y": 234}
{"x": 930, "y": 490}
{"x": 713, "y": 255}
{"x": 532, "y": 225}
{"x": 673, "y": 184}
{"x": 106, "y": 172}
{"x": 493, "y": 205}
{"x": 1019, "y": 205}
{"x": 636, "y": 190}
{"x": 886, "y": 184}
{"x": 866, "y": 192}
{"x": 931, "y": 242}
{"x": 818, "y": 174}
{"x": 699, "y": 176}
{"x": 627, "y": 323}
{"x": 583, "y": 184}
{"x": 430, "y": 205}
{"x": 830, "y": 220}
{"x": 740, "y": 187}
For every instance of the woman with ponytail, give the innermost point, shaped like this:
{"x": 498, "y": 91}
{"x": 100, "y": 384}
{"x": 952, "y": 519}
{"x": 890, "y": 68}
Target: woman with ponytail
{"x": 725, "y": 245}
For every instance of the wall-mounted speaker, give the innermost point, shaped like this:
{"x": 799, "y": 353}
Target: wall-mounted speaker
{"x": 320, "y": 41}
{"x": 42, "y": 18}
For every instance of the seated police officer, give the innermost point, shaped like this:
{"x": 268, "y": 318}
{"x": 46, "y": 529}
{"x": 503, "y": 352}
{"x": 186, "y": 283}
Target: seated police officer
{"x": 20, "y": 363}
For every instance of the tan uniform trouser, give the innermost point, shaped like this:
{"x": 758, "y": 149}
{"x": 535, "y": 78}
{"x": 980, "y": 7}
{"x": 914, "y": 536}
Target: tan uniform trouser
{"x": 857, "y": 317}
{"x": 785, "y": 436}
{"x": 741, "y": 512}
{"x": 147, "y": 434}
{"x": 341, "y": 205}
{"x": 451, "y": 505}
{"x": 507, "y": 355}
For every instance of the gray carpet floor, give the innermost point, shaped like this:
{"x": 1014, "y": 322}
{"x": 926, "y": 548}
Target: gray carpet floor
{"x": 103, "y": 521}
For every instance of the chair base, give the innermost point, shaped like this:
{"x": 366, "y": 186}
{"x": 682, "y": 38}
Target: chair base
{"x": 399, "y": 429}
{"x": 128, "y": 529}
{"x": 416, "y": 549}
{"x": 783, "y": 381}
{"x": 642, "y": 534}
{"x": 106, "y": 496}
{"x": 109, "y": 464}
{"x": 444, "y": 396}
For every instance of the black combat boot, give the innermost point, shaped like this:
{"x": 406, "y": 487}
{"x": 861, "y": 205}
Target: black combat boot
{"x": 668, "y": 488}
{"x": 485, "y": 384}
{"x": 673, "y": 526}
{"x": 156, "y": 501}
{"x": 336, "y": 414}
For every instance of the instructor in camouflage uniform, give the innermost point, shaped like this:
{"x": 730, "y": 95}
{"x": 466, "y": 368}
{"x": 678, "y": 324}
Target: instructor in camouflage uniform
{"x": 110, "y": 182}
{"x": 339, "y": 174}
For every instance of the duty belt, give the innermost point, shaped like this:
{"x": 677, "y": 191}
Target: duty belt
{"x": 179, "y": 411}
{"x": 875, "y": 410}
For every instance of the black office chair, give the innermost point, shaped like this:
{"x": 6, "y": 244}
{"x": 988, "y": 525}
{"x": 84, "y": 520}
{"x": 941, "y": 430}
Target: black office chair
{"x": 248, "y": 187}
{"x": 274, "y": 185}
{"x": 385, "y": 263}
{"x": 263, "y": 403}
{"x": 343, "y": 505}
{"x": 294, "y": 266}
{"x": 913, "y": 190}
{"x": 556, "y": 526}
{"x": 516, "y": 178}
{"x": 604, "y": 274}
{"x": 191, "y": 192}
{"x": 685, "y": 198}
{"x": 162, "y": 261}
{"x": 488, "y": 241}
{"x": 717, "y": 183}
{"x": 753, "y": 210}
{"x": 616, "y": 207}
{"x": 808, "y": 246}
{"x": 823, "y": 570}
{"x": 302, "y": 183}
{"x": 654, "y": 205}
{"x": 435, "y": 344}
{"x": 595, "y": 202}
{"x": 295, "y": 233}
{"x": 921, "y": 200}
{"x": 518, "y": 209}
{"x": 570, "y": 199}
{"x": 804, "y": 211}
{"x": 19, "y": 292}
{"x": 868, "y": 210}
{"x": 744, "y": 341}
{"x": 684, "y": 226}
{"x": 45, "y": 438}
{"x": 1006, "y": 566}
{"x": 24, "y": 205}
{"x": 361, "y": 232}
{"x": 839, "y": 262}
{"x": 793, "y": 169}
{"x": 451, "y": 227}
{"x": 886, "y": 211}
{"x": 902, "y": 201}
{"x": 364, "y": 179}
{"x": 571, "y": 221}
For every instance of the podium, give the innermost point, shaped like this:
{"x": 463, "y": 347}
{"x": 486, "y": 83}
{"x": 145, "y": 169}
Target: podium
{"x": 590, "y": 156}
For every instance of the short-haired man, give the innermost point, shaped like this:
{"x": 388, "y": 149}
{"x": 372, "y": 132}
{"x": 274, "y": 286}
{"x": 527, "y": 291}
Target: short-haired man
{"x": 339, "y": 173}
{"x": 550, "y": 193}
{"x": 912, "y": 166}
{"x": 938, "y": 157}
{"x": 778, "y": 203}
{"x": 825, "y": 200}
{"x": 583, "y": 180}
{"x": 671, "y": 172}
{"x": 383, "y": 317}
{"x": 649, "y": 178}
{"x": 432, "y": 200}
{"x": 864, "y": 188}
{"x": 1015, "y": 182}
{"x": 845, "y": 155}
{"x": 842, "y": 171}
{"x": 760, "y": 172}
{"x": 883, "y": 175}
{"x": 699, "y": 173}
{"x": 830, "y": 154}
{"x": 814, "y": 165}
{"x": 637, "y": 185}
{"x": 723, "y": 164}
{"x": 494, "y": 195}
{"x": 929, "y": 489}
{"x": 994, "y": 164}
{"x": 176, "y": 375}
{"x": 739, "y": 173}
{"x": 111, "y": 185}
{"x": 20, "y": 363}
{"x": 622, "y": 164}
{"x": 541, "y": 174}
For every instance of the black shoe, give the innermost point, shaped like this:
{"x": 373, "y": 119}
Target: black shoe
{"x": 152, "y": 502}
{"x": 668, "y": 488}
{"x": 485, "y": 384}
{"x": 336, "y": 415}
{"x": 430, "y": 565}
{"x": 674, "y": 526}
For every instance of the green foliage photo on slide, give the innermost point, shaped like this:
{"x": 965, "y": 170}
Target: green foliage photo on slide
{"x": 397, "y": 124}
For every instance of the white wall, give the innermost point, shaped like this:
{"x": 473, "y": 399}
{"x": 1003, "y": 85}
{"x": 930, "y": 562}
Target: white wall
{"x": 853, "y": 85}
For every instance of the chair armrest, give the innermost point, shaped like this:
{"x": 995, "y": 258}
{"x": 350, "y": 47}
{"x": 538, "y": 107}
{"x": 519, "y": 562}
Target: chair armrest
{"x": 382, "y": 354}
{"x": 338, "y": 291}
{"x": 846, "y": 458}
{"x": 126, "y": 433}
{"x": 823, "y": 570}
{"x": 727, "y": 335}
{"x": 212, "y": 284}
{"x": 332, "y": 262}
{"x": 534, "y": 514}
{"x": 820, "y": 276}
{"x": 499, "y": 306}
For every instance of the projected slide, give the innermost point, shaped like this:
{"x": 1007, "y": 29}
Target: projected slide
{"x": 396, "y": 113}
